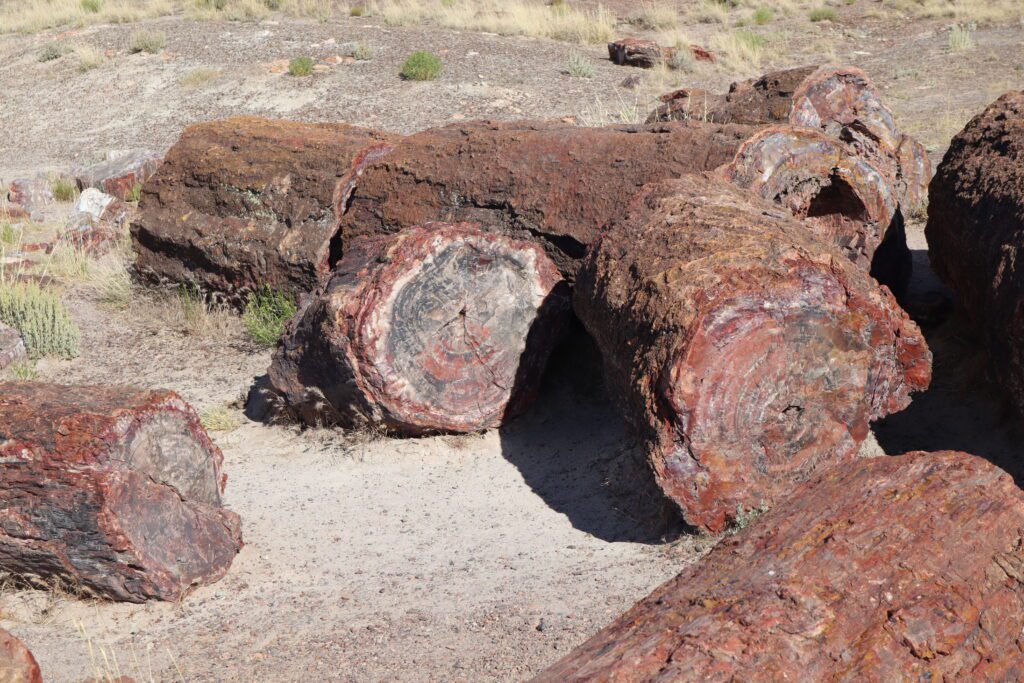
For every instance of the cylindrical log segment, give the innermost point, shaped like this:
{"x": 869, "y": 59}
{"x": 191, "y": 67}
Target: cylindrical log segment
{"x": 746, "y": 352}
{"x": 247, "y": 202}
{"x": 114, "y": 490}
{"x": 975, "y": 232}
{"x": 907, "y": 568}
{"x": 17, "y": 665}
{"x": 437, "y": 328}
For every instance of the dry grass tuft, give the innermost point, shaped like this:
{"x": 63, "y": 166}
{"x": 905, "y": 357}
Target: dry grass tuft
{"x": 655, "y": 17}
{"x": 961, "y": 10}
{"x": 89, "y": 58}
{"x": 198, "y": 77}
{"x": 32, "y": 16}
{"x": 960, "y": 39}
{"x": 220, "y": 419}
{"x": 740, "y": 49}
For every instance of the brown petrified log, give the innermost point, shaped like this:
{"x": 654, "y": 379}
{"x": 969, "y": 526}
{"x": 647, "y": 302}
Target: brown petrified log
{"x": 975, "y": 232}
{"x": 906, "y": 568}
{"x": 112, "y": 489}
{"x": 647, "y": 54}
{"x": 437, "y": 328}
{"x": 247, "y": 202}
{"x": 564, "y": 184}
{"x": 17, "y": 665}
{"x": 746, "y": 352}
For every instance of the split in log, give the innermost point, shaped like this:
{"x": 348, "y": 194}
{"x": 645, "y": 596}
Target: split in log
{"x": 906, "y": 568}
{"x": 975, "y": 233}
{"x": 113, "y": 490}
{"x": 17, "y": 665}
{"x": 746, "y": 352}
{"x": 437, "y": 328}
{"x": 247, "y": 202}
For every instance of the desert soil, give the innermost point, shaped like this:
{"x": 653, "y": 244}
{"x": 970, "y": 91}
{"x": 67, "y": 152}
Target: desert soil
{"x": 472, "y": 558}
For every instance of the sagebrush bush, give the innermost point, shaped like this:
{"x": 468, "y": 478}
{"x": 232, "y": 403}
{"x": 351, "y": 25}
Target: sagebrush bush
{"x": 50, "y": 52}
{"x": 41, "y": 318}
{"x": 265, "y": 315}
{"x": 92, "y": 6}
{"x": 300, "y": 66}
{"x": 63, "y": 189}
{"x": 824, "y": 14}
{"x": 580, "y": 66}
{"x": 960, "y": 39}
{"x": 763, "y": 15}
{"x": 421, "y": 66}
{"x": 147, "y": 41}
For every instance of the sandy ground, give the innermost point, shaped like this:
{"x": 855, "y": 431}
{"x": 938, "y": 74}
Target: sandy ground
{"x": 473, "y": 558}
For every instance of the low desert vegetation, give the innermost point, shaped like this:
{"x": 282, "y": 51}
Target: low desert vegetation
{"x": 265, "y": 315}
{"x": 195, "y": 79}
{"x": 63, "y": 189}
{"x": 92, "y": 6}
{"x": 24, "y": 371}
{"x": 147, "y": 41}
{"x": 823, "y": 14}
{"x": 655, "y": 17}
{"x": 40, "y": 316}
{"x": 421, "y": 66}
{"x": 359, "y": 51}
{"x": 300, "y": 66}
{"x": 960, "y": 39}
{"x": 357, "y": 11}
{"x": 580, "y": 66}
{"x": 88, "y": 58}
{"x": 52, "y": 51}
{"x": 740, "y": 49}
{"x": 762, "y": 16}
{"x": 961, "y": 10}
{"x": 220, "y": 419}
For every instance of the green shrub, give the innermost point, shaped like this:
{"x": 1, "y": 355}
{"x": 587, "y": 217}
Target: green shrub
{"x": 134, "y": 194}
{"x": 266, "y": 314}
{"x": 41, "y": 318}
{"x": 960, "y": 39}
{"x": 300, "y": 66}
{"x": 580, "y": 66}
{"x": 63, "y": 189}
{"x": 9, "y": 235}
{"x": 762, "y": 16}
{"x": 147, "y": 41}
{"x": 50, "y": 52}
{"x": 421, "y": 66}
{"x": 93, "y": 6}
{"x": 273, "y": 5}
{"x": 362, "y": 52}
{"x": 23, "y": 371}
{"x": 357, "y": 11}
{"x": 824, "y": 14}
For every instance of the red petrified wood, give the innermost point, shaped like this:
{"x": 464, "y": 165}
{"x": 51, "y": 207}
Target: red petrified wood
{"x": 746, "y": 352}
{"x": 247, "y": 202}
{"x": 112, "y": 489}
{"x": 906, "y": 568}
{"x": 438, "y": 328}
{"x": 17, "y": 665}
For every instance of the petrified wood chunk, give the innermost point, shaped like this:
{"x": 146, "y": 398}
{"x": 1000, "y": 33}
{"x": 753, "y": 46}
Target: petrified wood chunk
{"x": 247, "y": 202}
{"x": 112, "y": 489}
{"x": 120, "y": 174}
{"x": 17, "y": 665}
{"x": 975, "y": 232}
{"x": 438, "y": 328}
{"x": 746, "y": 352}
{"x": 639, "y": 52}
{"x": 906, "y": 568}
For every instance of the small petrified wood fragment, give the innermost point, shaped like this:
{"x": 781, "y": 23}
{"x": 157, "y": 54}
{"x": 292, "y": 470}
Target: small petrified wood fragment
{"x": 247, "y": 202}
{"x": 906, "y": 568}
{"x": 561, "y": 183}
{"x": 112, "y": 489}
{"x": 438, "y": 328}
{"x": 745, "y": 352}
{"x": 975, "y": 232}
{"x": 17, "y": 665}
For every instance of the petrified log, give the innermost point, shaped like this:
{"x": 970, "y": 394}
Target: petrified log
{"x": 17, "y": 665}
{"x": 745, "y": 352}
{"x": 438, "y": 328}
{"x": 975, "y": 232}
{"x": 247, "y": 202}
{"x": 112, "y": 489}
{"x": 120, "y": 173}
{"x": 906, "y": 568}
{"x": 647, "y": 54}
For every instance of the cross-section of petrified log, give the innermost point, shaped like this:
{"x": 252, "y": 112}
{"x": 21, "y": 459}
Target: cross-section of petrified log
{"x": 17, "y": 665}
{"x": 247, "y": 202}
{"x": 746, "y": 352}
{"x": 438, "y": 328}
{"x": 906, "y": 568}
{"x": 114, "y": 490}
{"x": 562, "y": 183}
{"x": 975, "y": 232}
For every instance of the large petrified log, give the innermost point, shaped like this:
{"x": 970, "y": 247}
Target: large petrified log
{"x": 114, "y": 490}
{"x": 437, "y": 328}
{"x": 906, "y": 568}
{"x": 17, "y": 665}
{"x": 975, "y": 232}
{"x": 746, "y": 352}
{"x": 247, "y": 202}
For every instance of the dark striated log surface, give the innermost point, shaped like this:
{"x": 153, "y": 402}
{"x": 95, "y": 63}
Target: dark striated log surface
{"x": 906, "y": 568}
{"x": 112, "y": 489}
{"x": 437, "y": 328}
{"x": 745, "y": 352}
{"x": 246, "y": 202}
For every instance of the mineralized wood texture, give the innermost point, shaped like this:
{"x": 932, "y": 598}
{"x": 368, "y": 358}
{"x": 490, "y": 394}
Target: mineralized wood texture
{"x": 562, "y": 183}
{"x": 745, "y": 352}
{"x": 438, "y": 328}
{"x": 114, "y": 490}
{"x": 246, "y": 202}
{"x": 17, "y": 665}
{"x": 906, "y": 568}
{"x": 975, "y": 232}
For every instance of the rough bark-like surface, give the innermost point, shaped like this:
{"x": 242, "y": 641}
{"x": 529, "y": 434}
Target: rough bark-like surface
{"x": 120, "y": 175}
{"x": 112, "y": 489}
{"x": 975, "y": 232}
{"x": 746, "y": 352}
{"x": 12, "y": 346}
{"x": 562, "y": 183}
{"x": 647, "y": 54}
{"x": 17, "y": 665}
{"x": 247, "y": 202}
{"x": 438, "y": 328}
{"x": 906, "y": 568}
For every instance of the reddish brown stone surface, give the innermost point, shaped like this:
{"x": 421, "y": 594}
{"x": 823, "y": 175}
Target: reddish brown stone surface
{"x": 647, "y": 54}
{"x": 975, "y": 232}
{"x": 438, "y": 328}
{"x": 31, "y": 194}
{"x": 118, "y": 176}
{"x": 17, "y": 665}
{"x": 906, "y": 568}
{"x": 112, "y": 489}
{"x": 247, "y": 202}
{"x": 745, "y": 352}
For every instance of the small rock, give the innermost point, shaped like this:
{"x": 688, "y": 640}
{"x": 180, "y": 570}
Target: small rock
{"x": 12, "y": 349}
{"x": 120, "y": 175}
{"x": 31, "y": 193}
{"x": 93, "y": 202}
{"x": 333, "y": 59}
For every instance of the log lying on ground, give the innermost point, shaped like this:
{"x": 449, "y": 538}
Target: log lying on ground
{"x": 17, "y": 665}
{"x": 247, "y": 202}
{"x": 111, "y": 489}
{"x": 888, "y": 569}
{"x": 975, "y": 232}
{"x": 745, "y": 352}
{"x": 438, "y": 328}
